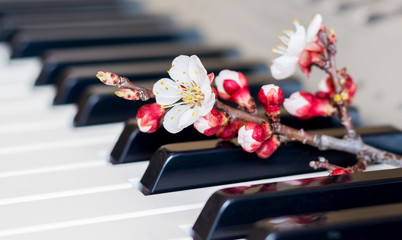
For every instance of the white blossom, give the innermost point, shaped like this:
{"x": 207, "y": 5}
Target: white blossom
{"x": 188, "y": 93}
{"x": 293, "y": 43}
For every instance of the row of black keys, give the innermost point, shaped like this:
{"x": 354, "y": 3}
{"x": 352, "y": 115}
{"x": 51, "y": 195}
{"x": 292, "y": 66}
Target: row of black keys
{"x": 179, "y": 166}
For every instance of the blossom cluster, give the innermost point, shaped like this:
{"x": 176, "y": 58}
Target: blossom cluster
{"x": 190, "y": 95}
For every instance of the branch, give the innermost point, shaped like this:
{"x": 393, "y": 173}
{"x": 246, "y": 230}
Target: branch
{"x": 365, "y": 153}
{"x": 330, "y": 68}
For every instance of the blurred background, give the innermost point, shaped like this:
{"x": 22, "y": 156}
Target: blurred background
{"x": 369, "y": 40}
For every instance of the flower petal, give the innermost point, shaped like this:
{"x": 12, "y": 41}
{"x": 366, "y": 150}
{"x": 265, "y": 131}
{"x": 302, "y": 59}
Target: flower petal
{"x": 313, "y": 28}
{"x": 197, "y": 71}
{"x": 284, "y": 66}
{"x": 167, "y": 91}
{"x": 189, "y": 117}
{"x": 297, "y": 41}
{"x": 171, "y": 121}
{"x": 179, "y": 69}
{"x": 207, "y": 105}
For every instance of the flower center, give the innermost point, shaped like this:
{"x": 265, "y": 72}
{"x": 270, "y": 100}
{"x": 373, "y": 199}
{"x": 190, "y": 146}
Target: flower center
{"x": 192, "y": 95}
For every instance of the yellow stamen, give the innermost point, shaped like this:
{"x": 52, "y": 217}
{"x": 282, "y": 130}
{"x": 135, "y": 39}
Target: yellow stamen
{"x": 161, "y": 83}
{"x": 337, "y": 98}
{"x": 171, "y": 118}
{"x": 196, "y": 72}
{"x": 166, "y": 88}
{"x": 193, "y": 114}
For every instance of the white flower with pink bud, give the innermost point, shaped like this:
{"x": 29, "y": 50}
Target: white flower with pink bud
{"x": 271, "y": 97}
{"x": 149, "y": 117}
{"x": 252, "y": 135}
{"x": 233, "y": 86}
{"x": 188, "y": 93}
{"x": 210, "y": 123}
{"x": 305, "y": 105}
{"x": 297, "y": 47}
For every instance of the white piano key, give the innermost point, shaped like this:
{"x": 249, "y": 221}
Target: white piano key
{"x": 129, "y": 226}
{"x": 39, "y": 186}
{"x": 53, "y": 118}
{"x": 94, "y": 205}
{"x": 22, "y": 163}
{"x": 5, "y": 53}
{"x": 10, "y": 92}
{"x": 57, "y": 138}
{"x": 24, "y": 70}
{"x": 89, "y": 211}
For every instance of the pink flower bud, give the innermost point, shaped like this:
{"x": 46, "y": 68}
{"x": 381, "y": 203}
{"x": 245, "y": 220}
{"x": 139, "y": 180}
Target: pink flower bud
{"x": 233, "y": 86}
{"x": 229, "y": 131}
{"x": 210, "y": 123}
{"x": 271, "y": 97}
{"x": 128, "y": 94}
{"x": 252, "y": 135}
{"x": 309, "y": 56}
{"x": 268, "y": 147}
{"x": 108, "y": 78}
{"x": 305, "y": 105}
{"x": 149, "y": 117}
{"x": 326, "y": 89}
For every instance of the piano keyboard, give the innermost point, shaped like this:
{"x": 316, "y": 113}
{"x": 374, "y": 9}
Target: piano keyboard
{"x": 56, "y": 179}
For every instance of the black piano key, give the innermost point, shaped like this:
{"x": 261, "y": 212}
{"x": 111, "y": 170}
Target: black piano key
{"x": 144, "y": 145}
{"x": 189, "y": 165}
{"x": 99, "y": 104}
{"x": 55, "y": 61}
{"x": 12, "y": 23}
{"x": 230, "y": 213}
{"x": 46, "y": 6}
{"x": 34, "y": 42}
{"x": 375, "y": 222}
{"x": 75, "y": 79}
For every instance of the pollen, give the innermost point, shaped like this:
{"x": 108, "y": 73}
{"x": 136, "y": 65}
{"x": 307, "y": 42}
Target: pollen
{"x": 193, "y": 114}
{"x": 157, "y": 92}
{"x": 295, "y": 20}
{"x": 337, "y": 98}
{"x": 161, "y": 83}
{"x": 168, "y": 71}
{"x": 166, "y": 88}
{"x": 171, "y": 118}
{"x": 196, "y": 72}
{"x": 184, "y": 72}
{"x": 178, "y": 110}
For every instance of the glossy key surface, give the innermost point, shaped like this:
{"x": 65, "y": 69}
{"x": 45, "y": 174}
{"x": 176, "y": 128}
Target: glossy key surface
{"x": 375, "y": 222}
{"x": 230, "y": 213}
{"x": 189, "y": 165}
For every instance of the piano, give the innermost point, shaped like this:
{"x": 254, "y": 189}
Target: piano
{"x": 79, "y": 169}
